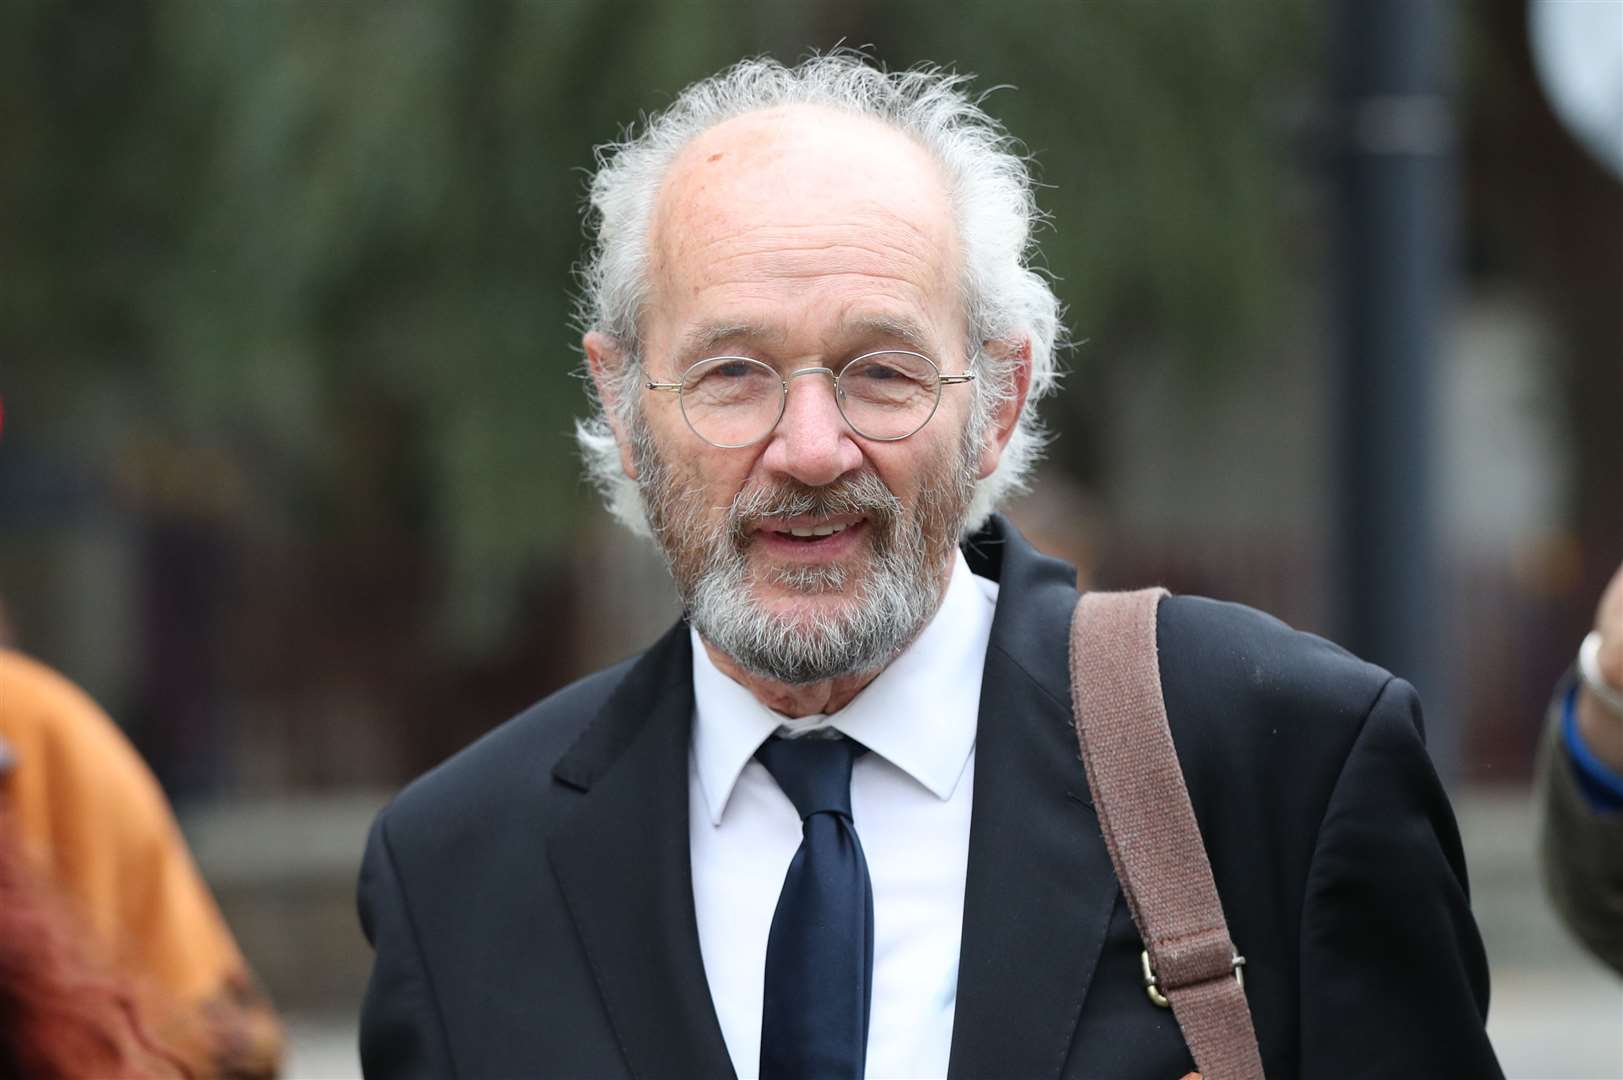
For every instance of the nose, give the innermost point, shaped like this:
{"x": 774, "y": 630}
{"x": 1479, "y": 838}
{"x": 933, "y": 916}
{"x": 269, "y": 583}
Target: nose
{"x": 812, "y": 443}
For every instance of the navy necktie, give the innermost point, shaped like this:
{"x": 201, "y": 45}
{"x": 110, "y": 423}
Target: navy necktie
{"x": 819, "y": 956}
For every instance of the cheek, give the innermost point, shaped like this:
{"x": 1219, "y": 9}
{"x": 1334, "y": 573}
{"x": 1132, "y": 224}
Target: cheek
{"x": 721, "y": 481}
{"x": 908, "y": 466}
{"x": 705, "y": 474}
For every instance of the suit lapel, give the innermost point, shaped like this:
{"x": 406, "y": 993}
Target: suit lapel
{"x": 622, "y": 862}
{"x": 1040, "y": 887}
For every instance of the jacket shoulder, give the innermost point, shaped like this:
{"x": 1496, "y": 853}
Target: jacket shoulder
{"x": 1257, "y": 706}
{"x": 1219, "y": 651}
{"x": 511, "y": 763}
{"x": 1332, "y": 846}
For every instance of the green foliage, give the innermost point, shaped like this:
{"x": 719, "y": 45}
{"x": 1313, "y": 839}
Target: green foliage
{"x": 1163, "y": 132}
{"x": 262, "y": 223}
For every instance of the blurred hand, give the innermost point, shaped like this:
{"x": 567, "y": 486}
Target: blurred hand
{"x": 1600, "y": 727}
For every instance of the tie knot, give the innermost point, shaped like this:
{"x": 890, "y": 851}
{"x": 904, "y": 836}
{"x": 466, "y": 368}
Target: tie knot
{"x": 815, "y": 773}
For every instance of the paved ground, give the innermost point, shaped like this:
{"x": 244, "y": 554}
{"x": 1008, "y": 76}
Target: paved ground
{"x": 1556, "y": 1014}
{"x": 322, "y": 1048}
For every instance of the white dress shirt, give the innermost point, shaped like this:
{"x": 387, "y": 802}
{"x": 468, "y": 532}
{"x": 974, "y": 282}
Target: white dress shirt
{"x": 910, "y": 800}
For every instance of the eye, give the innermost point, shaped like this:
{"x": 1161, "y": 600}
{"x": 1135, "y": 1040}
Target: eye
{"x": 890, "y": 367}
{"x": 730, "y": 381}
{"x": 889, "y": 381}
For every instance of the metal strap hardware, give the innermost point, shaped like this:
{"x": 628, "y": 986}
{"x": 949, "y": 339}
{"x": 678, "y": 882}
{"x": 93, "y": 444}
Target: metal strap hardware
{"x": 1152, "y": 986}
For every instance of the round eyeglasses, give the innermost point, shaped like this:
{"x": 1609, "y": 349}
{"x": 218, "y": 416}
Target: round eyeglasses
{"x": 734, "y": 401}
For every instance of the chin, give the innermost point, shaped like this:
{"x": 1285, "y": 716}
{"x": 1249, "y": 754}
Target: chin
{"x": 798, "y": 637}
{"x": 813, "y": 606}
{"x": 775, "y": 577}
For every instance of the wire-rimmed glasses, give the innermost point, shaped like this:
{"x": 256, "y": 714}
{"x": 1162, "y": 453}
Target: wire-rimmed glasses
{"x": 734, "y": 401}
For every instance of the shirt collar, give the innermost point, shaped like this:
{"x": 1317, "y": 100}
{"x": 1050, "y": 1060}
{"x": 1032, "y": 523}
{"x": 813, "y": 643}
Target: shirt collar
{"x": 919, "y": 713}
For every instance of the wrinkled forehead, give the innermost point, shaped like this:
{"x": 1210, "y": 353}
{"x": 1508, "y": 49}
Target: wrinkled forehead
{"x": 799, "y": 161}
{"x": 788, "y": 201}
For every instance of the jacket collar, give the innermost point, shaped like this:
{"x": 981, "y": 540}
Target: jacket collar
{"x": 621, "y": 860}
{"x": 1040, "y": 889}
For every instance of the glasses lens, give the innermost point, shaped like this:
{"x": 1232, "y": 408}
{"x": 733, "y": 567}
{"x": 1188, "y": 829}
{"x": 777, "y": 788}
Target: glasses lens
{"x": 731, "y": 400}
{"x": 889, "y": 395}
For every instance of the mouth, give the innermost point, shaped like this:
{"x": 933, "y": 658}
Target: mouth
{"x": 806, "y": 536}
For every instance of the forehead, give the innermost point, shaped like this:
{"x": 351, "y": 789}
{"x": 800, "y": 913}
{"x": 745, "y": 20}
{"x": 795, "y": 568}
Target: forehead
{"x": 807, "y": 221}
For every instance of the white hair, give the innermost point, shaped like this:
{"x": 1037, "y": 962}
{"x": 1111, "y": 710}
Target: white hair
{"x": 990, "y": 187}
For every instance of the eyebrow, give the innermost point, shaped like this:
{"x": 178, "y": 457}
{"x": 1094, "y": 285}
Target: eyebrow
{"x": 904, "y": 330}
{"x": 698, "y": 341}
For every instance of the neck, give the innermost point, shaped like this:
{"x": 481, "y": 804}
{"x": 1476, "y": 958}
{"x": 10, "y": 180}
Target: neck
{"x": 793, "y": 700}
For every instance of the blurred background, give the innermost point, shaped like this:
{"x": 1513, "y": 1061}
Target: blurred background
{"x": 287, "y": 477}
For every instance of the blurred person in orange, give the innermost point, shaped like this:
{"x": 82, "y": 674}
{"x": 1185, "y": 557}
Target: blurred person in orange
{"x": 89, "y": 819}
{"x": 64, "y": 1014}
{"x": 1581, "y": 788}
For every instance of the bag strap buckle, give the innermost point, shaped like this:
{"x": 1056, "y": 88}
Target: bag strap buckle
{"x": 1152, "y": 986}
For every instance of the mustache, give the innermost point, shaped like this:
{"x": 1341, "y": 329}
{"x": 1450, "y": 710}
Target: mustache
{"x": 863, "y": 493}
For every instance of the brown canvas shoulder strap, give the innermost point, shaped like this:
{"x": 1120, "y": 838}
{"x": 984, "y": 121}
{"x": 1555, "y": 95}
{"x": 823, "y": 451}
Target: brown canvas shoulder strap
{"x": 1149, "y": 827}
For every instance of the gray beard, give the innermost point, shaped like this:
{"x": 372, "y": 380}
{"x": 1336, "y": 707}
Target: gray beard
{"x": 895, "y": 599}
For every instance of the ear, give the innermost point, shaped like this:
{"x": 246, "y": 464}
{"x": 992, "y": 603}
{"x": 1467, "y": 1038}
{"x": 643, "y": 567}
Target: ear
{"x": 606, "y": 360}
{"x": 1007, "y": 415}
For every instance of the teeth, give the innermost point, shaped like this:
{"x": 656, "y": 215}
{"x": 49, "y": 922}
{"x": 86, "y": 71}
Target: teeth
{"x": 817, "y": 530}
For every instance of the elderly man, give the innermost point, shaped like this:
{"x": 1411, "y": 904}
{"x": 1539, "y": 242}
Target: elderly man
{"x": 835, "y": 821}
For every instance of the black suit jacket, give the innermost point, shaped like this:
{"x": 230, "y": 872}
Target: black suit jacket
{"x": 531, "y": 906}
